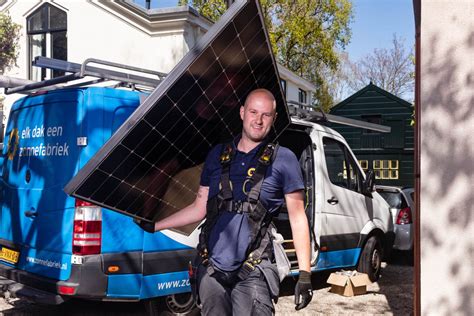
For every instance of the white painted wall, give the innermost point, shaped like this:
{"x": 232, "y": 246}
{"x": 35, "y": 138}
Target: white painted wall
{"x": 447, "y": 157}
{"x": 294, "y": 83}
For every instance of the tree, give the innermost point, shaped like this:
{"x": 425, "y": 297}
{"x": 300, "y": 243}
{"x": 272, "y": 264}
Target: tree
{"x": 9, "y": 36}
{"x": 305, "y": 35}
{"x": 390, "y": 69}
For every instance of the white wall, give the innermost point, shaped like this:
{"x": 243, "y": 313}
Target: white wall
{"x": 447, "y": 157}
{"x": 294, "y": 83}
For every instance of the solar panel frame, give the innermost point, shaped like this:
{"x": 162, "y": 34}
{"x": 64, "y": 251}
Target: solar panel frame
{"x": 264, "y": 72}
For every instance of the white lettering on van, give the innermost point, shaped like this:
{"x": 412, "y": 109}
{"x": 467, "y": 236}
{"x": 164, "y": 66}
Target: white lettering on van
{"x": 47, "y": 263}
{"x": 25, "y": 133}
{"x": 54, "y": 131}
{"x": 45, "y": 150}
{"x": 41, "y": 131}
{"x": 38, "y": 131}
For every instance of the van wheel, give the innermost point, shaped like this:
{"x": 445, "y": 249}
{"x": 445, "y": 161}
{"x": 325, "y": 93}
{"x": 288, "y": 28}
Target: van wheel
{"x": 370, "y": 260}
{"x": 176, "y": 304}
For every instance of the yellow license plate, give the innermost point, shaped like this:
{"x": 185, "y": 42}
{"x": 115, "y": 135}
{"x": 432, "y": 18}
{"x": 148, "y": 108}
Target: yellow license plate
{"x": 9, "y": 255}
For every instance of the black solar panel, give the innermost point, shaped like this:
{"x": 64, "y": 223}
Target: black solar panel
{"x": 150, "y": 167}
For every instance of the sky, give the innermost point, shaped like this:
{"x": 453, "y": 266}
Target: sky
{"x": 375, "y": 22}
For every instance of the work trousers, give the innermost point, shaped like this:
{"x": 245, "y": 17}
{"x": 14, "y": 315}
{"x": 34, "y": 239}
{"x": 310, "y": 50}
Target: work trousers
{"x": 223, "y": 293}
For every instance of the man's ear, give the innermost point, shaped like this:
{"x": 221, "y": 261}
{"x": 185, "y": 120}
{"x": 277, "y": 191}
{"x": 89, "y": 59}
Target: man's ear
{"x": 275, "y": 117}
{"x": 242, "y": 109}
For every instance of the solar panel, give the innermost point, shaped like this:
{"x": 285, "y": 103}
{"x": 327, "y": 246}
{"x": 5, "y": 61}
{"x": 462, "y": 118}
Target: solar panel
{"x": 150, "y": 167}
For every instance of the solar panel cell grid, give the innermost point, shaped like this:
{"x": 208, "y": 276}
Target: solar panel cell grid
{"x": 155, "y": 158}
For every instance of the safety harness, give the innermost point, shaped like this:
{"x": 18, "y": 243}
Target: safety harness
{"x": 260, "y": 246}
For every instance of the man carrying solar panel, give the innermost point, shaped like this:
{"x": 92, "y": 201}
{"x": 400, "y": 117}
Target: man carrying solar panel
{"x": 243, "y": 185}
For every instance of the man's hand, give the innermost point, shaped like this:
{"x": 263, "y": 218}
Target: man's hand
{"x": 304, "y": 289}
{"x": 146, "y": 226}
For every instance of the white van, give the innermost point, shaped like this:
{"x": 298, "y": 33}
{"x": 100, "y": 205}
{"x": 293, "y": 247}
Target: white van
{"x": 351, "y": 224}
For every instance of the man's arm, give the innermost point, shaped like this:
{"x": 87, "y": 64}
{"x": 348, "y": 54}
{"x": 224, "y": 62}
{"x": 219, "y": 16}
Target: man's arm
{"x": 300, "y": 232}
{"x": 299, "y": 228}
{"x": 192, "y": 213}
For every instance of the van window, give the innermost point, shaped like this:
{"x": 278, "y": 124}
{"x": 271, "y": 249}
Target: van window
{"x": 342, "y": 169}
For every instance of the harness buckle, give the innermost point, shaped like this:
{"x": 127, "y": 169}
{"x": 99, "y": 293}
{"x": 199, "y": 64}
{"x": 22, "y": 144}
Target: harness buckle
{"x": 226, "y": 155}
{"x": 237, "y": 206}
{"x": 266, "y": 157}
{"x": 204, "y": 256}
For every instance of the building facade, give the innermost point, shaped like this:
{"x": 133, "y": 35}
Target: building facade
{"x": 390, "y": 155}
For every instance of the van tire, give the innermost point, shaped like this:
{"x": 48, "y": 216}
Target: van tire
{"x": 370, "y": 261}
{"x": 172, "y": 305}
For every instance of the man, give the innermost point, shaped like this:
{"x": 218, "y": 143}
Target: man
{"x": 243, "y": 184}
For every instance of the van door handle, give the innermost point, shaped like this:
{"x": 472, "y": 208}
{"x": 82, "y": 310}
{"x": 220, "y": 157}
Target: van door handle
{"x": 333, "y": 200}
{"x": 31, "y": 214}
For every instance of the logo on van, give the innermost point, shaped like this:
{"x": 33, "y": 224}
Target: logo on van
{"x": 12, "y": 144}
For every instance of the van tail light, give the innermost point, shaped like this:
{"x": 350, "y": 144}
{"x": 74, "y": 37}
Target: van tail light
{"x": 66, "y": 290}
{"x": 404, "y": 216}
{"x": 87, "y": 234}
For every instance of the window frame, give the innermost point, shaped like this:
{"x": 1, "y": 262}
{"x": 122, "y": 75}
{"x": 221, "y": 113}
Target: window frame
{"x": 349, "y": 160}
{"x": 384, "y": 169}
{"x": 302, "y": 96}
{"x": 47, "y": 44}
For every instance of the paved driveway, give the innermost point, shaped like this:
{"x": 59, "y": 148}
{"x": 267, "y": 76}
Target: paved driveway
{"x": 391, "y": 295}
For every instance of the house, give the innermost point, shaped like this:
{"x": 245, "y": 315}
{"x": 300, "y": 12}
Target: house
{"x": 391, "y": 154}
{"x": 137, "y": 33}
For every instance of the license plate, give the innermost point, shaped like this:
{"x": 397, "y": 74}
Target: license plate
{"x": 9, "y": 255}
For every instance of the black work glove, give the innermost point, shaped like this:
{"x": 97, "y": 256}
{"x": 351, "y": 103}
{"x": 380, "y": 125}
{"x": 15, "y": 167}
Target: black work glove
{"x": 145, "y": 225}
{"x": 304, "y": 289}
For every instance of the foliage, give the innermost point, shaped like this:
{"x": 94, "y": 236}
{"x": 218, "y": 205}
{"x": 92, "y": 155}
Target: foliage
{"x": 210, "y": 9}
{"x": 390, "y": 69}
{"x": 9, "y": 36}
{"x": 304, "y": 34}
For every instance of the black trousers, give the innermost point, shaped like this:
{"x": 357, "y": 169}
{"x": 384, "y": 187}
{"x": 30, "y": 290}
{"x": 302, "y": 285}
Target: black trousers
{"x": 222, "y": 293}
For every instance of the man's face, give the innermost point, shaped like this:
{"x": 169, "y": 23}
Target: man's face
{"x": 257, "y": 115}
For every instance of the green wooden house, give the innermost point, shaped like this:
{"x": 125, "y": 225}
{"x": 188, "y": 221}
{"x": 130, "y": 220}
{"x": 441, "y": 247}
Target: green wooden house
{"x": 389, "y": 154}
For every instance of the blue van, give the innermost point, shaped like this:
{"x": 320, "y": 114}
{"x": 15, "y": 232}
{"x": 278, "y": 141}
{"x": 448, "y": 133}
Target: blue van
{"x": 60, "y": 247}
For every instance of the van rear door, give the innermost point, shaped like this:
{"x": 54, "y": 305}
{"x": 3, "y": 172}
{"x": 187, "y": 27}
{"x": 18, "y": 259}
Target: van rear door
{"x": 41, "y": 156}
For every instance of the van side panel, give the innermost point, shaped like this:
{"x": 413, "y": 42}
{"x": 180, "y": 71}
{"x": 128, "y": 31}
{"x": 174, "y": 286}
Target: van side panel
{"x": 42, "y": 156}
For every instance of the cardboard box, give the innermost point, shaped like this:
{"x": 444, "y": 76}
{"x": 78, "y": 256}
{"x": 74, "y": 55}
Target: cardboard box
{"x": 349, "y": 283}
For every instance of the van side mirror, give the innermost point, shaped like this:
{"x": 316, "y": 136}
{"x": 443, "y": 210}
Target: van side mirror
{"x": 369, "y": 182}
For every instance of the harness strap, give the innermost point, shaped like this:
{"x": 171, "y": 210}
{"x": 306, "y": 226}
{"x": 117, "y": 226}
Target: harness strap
{"x": 225, "y": 160}
{"x": 266, "y": 156}
{"x": 258, "y": 217}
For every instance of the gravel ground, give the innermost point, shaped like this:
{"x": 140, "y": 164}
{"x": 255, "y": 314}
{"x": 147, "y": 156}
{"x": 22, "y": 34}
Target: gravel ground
{"x": 391, "y": 295}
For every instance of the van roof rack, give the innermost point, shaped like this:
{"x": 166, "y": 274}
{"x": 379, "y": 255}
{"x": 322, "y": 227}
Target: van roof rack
{"x": 316, "y": 115}
{"x": 79, "y": 71}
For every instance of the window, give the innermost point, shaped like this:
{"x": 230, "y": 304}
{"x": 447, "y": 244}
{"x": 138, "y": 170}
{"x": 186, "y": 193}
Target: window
{"x": 337, "y": 160}
{"x": 386, "y": 169}
{"x": 46, "y": 29}
{"x": 283, "y": 86}
{"x": 375, "y": 119}
{"x": 154, "y": 4}
{"x": 302, "y": 96}
{"x": 364, "y": 165}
